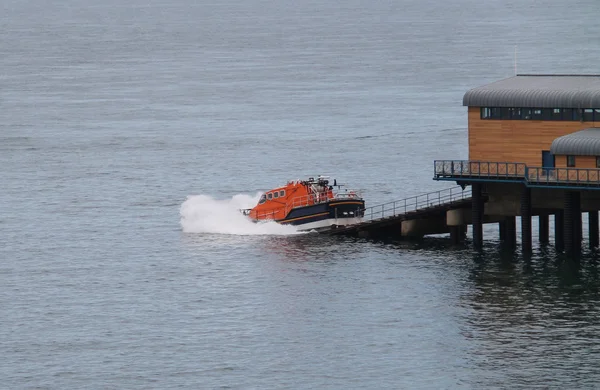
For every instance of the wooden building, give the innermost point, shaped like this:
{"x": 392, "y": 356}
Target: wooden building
{"x": 518, "y": 119}
{"x": 534, "y": 150}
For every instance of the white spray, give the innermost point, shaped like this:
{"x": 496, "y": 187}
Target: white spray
{"x": 204, "y": 214}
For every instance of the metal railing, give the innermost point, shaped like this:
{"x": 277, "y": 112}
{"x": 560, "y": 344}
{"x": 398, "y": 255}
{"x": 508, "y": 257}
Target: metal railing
{"x": 535, "y": 176}
{"x": 563, "y": 176}
{"x": 415, "y": 203}
{"x": 454, "y": 168}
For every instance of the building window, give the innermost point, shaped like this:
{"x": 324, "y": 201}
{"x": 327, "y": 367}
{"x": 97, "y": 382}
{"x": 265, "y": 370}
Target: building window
{"x": 597, "y": 161}
{"x": 547, "y": 114}
{"x": 514, "y": 113}
{"x": 571, "y": 161}
{"x": 556, "y": 114}
{"x": 536, "y": 113}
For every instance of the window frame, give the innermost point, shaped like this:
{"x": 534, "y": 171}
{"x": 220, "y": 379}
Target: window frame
{"x": 571, "y": 161}
{"x": 556, "y": 114}
{"x": 514, "y": 113}
{"x": 485, "y": 113}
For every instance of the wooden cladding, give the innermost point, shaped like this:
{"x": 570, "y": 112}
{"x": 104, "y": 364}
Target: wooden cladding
{"x": 518, "y": 141}
{"x": 580, "y": 161}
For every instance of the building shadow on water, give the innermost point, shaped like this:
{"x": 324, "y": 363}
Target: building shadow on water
{"x": 533, "y": 320}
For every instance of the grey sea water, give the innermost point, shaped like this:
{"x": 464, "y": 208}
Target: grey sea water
{"x": 112, "y": 113}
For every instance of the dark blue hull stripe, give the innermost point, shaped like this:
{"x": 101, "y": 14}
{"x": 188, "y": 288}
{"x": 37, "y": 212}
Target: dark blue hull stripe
{"x": 322, "y": 211}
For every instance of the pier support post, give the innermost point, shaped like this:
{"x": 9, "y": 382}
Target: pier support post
{"x": 579, "y": 220}
{"x": 572, "y": 231}
{"x": 544, "y": 228}
{"x": 511, "y": 232}
{"x": 593, "y": 228}
{"x": 502, "y": 230}
{"x": 526, "y": 219}
{"x": 456, "y": 234}
{"x": 559, "y": 230}
{"x": 477, "y": 219}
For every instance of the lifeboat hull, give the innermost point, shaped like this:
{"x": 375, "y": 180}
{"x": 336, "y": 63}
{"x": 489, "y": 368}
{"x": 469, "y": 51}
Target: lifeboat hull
{"x": 323, "y": 216}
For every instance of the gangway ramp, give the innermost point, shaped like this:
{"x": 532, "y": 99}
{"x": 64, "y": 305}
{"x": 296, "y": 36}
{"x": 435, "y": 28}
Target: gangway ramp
{"x": 386, "y": 219}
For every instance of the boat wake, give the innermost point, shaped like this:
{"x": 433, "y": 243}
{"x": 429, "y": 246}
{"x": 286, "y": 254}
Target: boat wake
{"x": 204, "y": 214}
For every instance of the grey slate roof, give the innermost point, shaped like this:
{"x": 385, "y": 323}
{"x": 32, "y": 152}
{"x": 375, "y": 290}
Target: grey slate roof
{"x": 584, "y": 142}
{"x": 544, "y": 91}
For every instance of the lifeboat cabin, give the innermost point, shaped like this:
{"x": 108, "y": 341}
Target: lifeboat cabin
{"x": 312, "y": 204}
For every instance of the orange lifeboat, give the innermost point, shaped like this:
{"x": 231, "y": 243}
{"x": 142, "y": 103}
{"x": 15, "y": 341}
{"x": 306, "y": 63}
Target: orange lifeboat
{"x": 312, "y": 203}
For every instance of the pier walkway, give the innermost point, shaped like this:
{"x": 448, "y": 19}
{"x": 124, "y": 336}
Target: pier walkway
{"x": 387, "y": 219}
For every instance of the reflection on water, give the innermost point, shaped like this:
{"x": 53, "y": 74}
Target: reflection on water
{"x": 535, "y": 321}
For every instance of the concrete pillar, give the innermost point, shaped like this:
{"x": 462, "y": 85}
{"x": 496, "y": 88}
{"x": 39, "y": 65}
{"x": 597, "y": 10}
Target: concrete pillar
{"x": 458, "y": 217}
{"x": 417, "y": 228}
{"x": 526, "y": 219}
{"x": 593, "y": 228}
{"x": 477, "y": 211}
{"x": 559, "y": 230}
{"x": 544, "y": 228}
{"x": 572, "y": 222}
